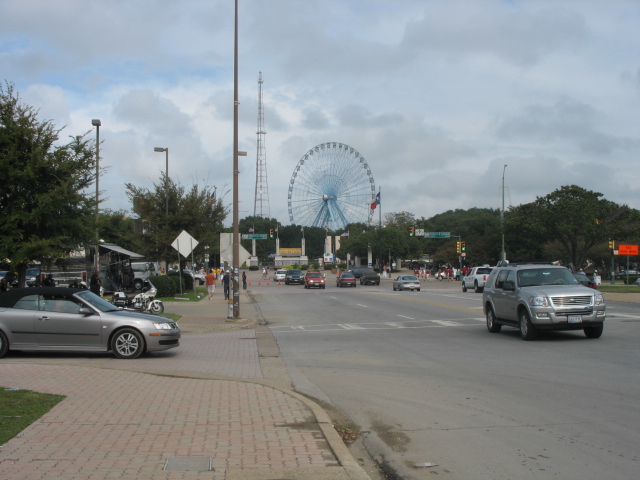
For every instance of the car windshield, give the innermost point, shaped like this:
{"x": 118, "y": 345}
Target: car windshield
{"x": 535, "y": 277}
{"x": 314, "y": 275}
{"x": 97, "y": 302}
{"x": 295, "y": 272}
{"x": 347, "y": 275}
{"x": 409, "y": 278}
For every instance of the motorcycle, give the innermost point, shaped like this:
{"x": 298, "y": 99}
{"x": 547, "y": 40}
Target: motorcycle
{"x": 142, "y": 302}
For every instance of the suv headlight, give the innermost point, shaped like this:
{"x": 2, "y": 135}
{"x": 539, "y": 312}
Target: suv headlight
{"x": 539, "y": 301}
{"x": 598, "y": 300}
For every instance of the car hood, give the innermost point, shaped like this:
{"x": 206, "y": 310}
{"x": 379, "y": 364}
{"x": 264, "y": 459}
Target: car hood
{"x": 557, "y": 290}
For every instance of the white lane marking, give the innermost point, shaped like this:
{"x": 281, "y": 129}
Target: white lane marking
{"x": 361, "y": 305}
{"x": 446, "y": 323}
{"x": 408, "y": 318}
{"x": 350, "y": 326}
{"x": 377, "y": 326}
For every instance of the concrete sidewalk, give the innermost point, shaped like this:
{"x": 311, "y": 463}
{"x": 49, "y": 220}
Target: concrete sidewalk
{"x": 203, "y": 410}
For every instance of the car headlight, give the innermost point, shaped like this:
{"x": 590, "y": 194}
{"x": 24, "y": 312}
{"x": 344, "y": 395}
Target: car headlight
{"x": 539, "y": 301}
{"x": 598, "y": 300}
{"x": 163, "y": 326}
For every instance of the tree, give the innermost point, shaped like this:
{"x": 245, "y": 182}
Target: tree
{"x": 194, "y": 211}
{"x": 572, "y": 219}
{"x": 46, "y": 210}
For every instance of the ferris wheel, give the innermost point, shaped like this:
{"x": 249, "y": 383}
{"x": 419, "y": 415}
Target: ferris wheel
{"x": 331, "y": 187}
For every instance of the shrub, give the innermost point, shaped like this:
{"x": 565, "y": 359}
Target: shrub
{"x": 165, "y": 285}
{"x": 304, "y": 267}
{"x": 187, "y": 281}
{"x": 253, "y": 268}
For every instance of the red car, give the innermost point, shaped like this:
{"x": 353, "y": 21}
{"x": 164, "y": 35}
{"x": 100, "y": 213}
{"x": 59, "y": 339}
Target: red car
{"x": 314, "y": 279}
{"x": 346, "y": 278}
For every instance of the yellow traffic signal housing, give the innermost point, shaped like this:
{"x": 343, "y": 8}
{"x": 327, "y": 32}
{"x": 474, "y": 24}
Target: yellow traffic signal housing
{"x": 612, "y": 244}
{"x": 458, "y": 247}
{"x": 463, "y": 246}
{"x": 411, "y": 231}
{"x": 271, "y": 233}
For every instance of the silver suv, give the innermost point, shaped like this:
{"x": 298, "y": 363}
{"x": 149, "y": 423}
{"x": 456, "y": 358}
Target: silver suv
{"x": 541, "y": 297}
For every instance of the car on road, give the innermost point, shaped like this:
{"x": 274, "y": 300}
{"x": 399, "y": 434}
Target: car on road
{"x": 346, "y": 279}
{"x": 294, "y": 276}
{"x": 369, "y": 276}
{"x": 406, "y": 282}
{"x": 624, "y": 274}
{"x": 280, "y": 275}
{"x": 71, "y": 320}
{"x": 533, "y": 297}
{"x": 314, "y": 279}
{"x": 475, "y": 279}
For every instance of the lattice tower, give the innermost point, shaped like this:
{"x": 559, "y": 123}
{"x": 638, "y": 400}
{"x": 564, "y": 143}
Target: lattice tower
{"x": 261, "y": 202}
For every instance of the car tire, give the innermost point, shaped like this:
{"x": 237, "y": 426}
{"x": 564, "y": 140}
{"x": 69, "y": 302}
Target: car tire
{"x": 492, "y": 325}
{"x": 476, "y": 288}
{"x": 527, "y": 330}
{"x": 4, "y": 344}
{"x": 590, "y": 332}
{"x": 417, "y": 289}
{"x": 127, "y": 344}
{"x": 464, "y": 287}
{"x": 156, "y": 307}
{"x": 138, "y": 284}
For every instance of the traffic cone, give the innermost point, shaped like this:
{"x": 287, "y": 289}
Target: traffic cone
{"x": 268, "y": 282}
{"x": 249, "y": 282}
{"x": 259, "y": 282}
{"x": 279, "y": 282}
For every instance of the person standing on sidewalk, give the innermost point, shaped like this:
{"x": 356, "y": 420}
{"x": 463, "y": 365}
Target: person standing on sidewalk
{"x": 225, "y": 283}
{"x": 244, "y": 280}
{"x": 211, "y": 283}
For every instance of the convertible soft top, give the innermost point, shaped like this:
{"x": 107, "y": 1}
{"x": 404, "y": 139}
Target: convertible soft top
{"x": 9, "y": 298}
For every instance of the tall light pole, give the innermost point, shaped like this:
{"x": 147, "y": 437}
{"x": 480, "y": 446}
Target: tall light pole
{"x": 166, "y": 177}
{"x": 503, "y": 254}
{"x": 236, "y": 228}
{"x": 97, "y": 123}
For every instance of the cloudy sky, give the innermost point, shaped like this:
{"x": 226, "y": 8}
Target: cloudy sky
{"x": 436, "y": 95}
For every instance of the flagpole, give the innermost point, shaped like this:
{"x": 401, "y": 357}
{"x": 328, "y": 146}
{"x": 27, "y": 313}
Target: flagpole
{"x": 379, "y": 228}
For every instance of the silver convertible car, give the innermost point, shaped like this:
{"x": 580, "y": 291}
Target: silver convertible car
{"x": 68, "y": 319}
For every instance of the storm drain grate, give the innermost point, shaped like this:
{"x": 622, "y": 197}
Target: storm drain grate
{"x": 188, "y": 464}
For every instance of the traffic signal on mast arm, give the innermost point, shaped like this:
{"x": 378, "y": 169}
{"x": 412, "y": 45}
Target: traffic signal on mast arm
{"x": 463, "y": 247}
{"x": 458, "y": 246}
{"x": 271, "y": 233}
{"x": 412, "y": 230}
{"x": 612, "y": 244}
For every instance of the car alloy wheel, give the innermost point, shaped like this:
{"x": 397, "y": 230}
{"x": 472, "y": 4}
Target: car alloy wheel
{"x": 492, "y": 326}
{"x": 127, "y": 343}
{"x": 527, "y": 331}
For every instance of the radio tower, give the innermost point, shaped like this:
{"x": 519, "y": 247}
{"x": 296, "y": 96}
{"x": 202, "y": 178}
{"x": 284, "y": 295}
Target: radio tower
{"x": 261, "y": 203}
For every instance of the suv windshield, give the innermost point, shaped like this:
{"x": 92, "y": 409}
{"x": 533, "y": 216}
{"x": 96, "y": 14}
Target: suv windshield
{"x": 546, "y": 276}
{"x": 294, "y": 272}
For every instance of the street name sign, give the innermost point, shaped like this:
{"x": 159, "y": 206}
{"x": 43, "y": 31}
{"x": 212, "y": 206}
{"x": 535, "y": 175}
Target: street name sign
{"x": 437, "y": 234}
{"x": 254, "y": 236}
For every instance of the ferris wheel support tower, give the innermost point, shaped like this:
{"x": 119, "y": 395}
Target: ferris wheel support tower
{"x": 261, "y": 199}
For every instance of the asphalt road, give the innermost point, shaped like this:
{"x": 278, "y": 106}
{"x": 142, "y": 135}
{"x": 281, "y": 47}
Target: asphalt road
{"x": 428, "y": 384}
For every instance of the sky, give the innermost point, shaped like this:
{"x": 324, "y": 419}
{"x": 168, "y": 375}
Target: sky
{"x": 437, "y": 96}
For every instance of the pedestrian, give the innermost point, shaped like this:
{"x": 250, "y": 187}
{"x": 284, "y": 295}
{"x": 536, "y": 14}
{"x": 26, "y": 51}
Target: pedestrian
{"x": 94, "y": 282}
{"x": 211, "y": 283}
{"x": 3, "y": 284}
{"x": 49, "y": 281}
{"x": 244, "y": 280}
{"x": 225, "y": 281}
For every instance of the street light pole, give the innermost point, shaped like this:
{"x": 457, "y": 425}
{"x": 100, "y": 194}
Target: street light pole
{"x": 236, "y": 228}
{"x": 503, "y": 254}
{"x": 97, "y": 123}
{"x": 166, "y": 177}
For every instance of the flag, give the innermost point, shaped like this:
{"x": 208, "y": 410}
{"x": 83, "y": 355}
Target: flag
{"x": 376, "y": 202}
{"x": 345, "y": 234}
{"x": 251, "y": 230}
{"x": 326, "y": 229}
{"x": 302, "y": 229}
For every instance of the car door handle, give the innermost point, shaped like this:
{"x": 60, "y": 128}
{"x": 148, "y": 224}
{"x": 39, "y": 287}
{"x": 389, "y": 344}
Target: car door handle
{"x": 44, "y": 317}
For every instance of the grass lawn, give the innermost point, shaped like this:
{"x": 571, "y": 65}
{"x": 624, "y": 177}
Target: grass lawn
{"x": 20, "y": 408}
{"x": 607, "y": 287}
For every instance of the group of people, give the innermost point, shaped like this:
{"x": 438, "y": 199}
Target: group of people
{"x": 211, "y": 277}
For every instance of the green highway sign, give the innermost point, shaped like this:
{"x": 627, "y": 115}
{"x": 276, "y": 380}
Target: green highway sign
{"x": 437, "y": 234}
{"x": 254, "y": 236}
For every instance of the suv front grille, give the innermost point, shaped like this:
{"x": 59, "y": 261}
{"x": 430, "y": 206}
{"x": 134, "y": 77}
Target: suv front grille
{"x": 572, "y": 301}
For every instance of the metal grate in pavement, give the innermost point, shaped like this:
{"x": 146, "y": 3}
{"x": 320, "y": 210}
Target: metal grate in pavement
{"x": 188, "y": 464}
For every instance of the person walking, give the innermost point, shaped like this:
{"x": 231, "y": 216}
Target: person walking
{"x": 95, "y": 283}
{"x": 225, "y": 282}
{"x": 244, "y": 280}
{"x": 211, "y": 283}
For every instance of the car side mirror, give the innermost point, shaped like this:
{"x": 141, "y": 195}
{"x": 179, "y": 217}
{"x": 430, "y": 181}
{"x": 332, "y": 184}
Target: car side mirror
{"x": 85, "y": 311}
{"x": 509, "y": 286}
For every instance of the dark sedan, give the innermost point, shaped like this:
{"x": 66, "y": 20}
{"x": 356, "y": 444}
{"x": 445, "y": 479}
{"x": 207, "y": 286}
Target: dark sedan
{"x": 72, "y": 320}
{"x": 346, "y": 279}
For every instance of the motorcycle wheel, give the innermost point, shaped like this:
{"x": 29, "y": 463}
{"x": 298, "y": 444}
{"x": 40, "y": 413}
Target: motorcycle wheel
{"x": 156, "y": 307}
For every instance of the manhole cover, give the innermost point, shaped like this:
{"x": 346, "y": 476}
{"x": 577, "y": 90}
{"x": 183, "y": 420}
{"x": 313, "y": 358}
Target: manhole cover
{"x": 188, "y": 464}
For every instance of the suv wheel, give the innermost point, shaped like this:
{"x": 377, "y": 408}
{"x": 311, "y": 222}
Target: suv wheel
{"x": 527, "y": 331}
{"x": 594, "y": 332}
{"x": 492, "y": 325}
{"x": 464, "y": 287}
{"x": 476, "y": 288}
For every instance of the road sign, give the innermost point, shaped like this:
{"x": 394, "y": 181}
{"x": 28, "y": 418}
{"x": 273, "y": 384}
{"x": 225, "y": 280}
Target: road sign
{"x": 437, "y": 234}
{"x": 254, "y": 236}
{"x": 419, "y": 232}
{"x": 627, "y": 249}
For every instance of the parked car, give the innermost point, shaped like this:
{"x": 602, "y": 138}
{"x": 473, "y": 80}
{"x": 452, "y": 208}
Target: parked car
{"x": 67, "y": 319}
{"x": 630, "y": 273}
{"x": 541, "y": 297}
{"x": 279, "y": 275}
{"x": 314, "y": 279}
{"x": 197, "y": 276}
{"x": 637, "y": 281}
{"x": 406, "y": 282}
{"x": 346, "y": 279}
{"x": 294, "y": 276}
{"x": 32, "y": 276}
{"x": 585, "y": 280}
{"x": 369, "y": 276}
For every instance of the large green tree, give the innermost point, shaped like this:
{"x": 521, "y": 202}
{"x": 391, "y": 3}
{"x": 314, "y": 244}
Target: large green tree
{"x": 193, "y": 210}
{"x": 570, "y": 224}
{"x": 46, "y": 209}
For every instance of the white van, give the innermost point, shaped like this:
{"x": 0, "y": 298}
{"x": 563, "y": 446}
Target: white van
{"x": 142, "y": 271}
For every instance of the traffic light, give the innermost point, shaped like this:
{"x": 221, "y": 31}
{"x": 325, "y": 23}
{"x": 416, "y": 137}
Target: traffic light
{"x": 612, "y": 244}
{"x": 458, "y": 246}
{"x": 271, "y": 233}
{"x": 411, "y": 230}
{"x": 463, "y": 247}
